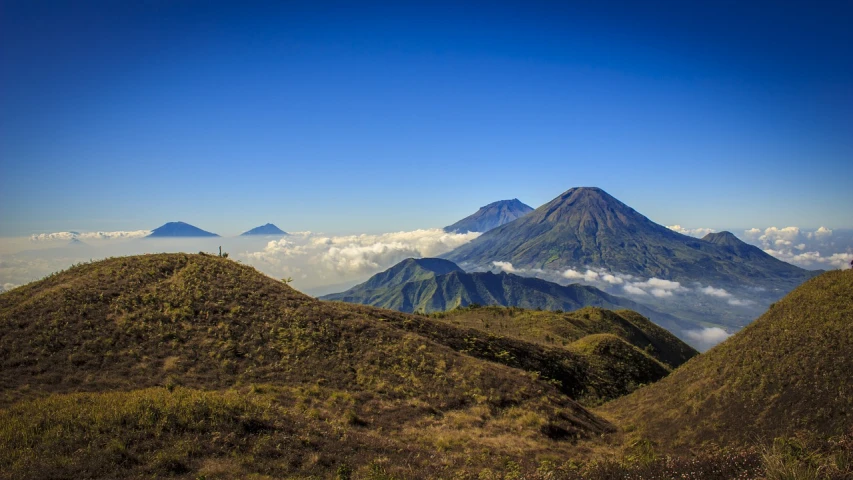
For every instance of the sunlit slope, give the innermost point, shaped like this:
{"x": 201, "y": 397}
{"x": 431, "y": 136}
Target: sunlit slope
{"x": 791, "y": 370}
{"x": 190, "y": 360}
{"x": 558, "y": 328}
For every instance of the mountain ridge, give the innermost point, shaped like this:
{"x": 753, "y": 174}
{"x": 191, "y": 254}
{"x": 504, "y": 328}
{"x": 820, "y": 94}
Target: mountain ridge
{"x": 586, "y": 226}
{"x": 450, "y": 287}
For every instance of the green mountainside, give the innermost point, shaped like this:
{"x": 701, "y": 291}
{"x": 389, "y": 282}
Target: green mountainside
{"x": 426, "y": 286}
{"x": 491, "y": 216}
{"x": 588, "y": 227}
{"x": 789, "y": 372}
{"x": 409, "y": 270}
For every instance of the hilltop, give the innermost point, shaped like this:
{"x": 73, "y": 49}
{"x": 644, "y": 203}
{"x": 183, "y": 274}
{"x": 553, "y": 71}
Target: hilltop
{"x": 491, "y": 216}
{"x": 268, "y": 229}
{"x": 588, "y": 227}
{"x": 147, "y": 354}
{"x": 179, "y": 229}
{"x": 789, "y": 372}
{"x": 566, "y": 328}
{"x": 436, "y": 285}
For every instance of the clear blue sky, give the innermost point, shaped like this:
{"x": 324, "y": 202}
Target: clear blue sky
{"x": 368, "y": 117}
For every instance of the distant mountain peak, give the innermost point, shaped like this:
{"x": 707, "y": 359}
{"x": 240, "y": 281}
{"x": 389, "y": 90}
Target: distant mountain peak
{"x": 179, "y": 229}
{"x": 723, "y": 238}
{"x": 512, "y": 202}
{"x": 490, "y": 216}
{"x": 588, "y": 226}
{"x": 268, "y": 229}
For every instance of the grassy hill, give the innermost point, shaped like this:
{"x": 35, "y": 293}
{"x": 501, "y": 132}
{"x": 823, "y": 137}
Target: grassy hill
{"x": 193, "y": 366}
{"x": 186, "y": 364}
{"x": 788, "y": 373}
{"x": 565, "y": 328}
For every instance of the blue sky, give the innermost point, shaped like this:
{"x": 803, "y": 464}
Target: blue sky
{"x": 370, "y": 117}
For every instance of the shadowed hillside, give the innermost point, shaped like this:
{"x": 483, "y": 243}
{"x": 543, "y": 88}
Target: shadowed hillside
{"x": 790, "y": 371}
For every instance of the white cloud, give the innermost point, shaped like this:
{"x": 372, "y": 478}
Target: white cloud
{"x": 589, "y": 276}
{"x": 693, "y": 232}
{"x": 357, "y": 254}
{"x": 740, "y": 303}
{"x": 663, "y": 284}
{"x": 119, "y": 235}
{"x": 752, "y": 234}
{"x": 821, "y": 233}
{"x": 715, "y": 292}
{"x": 707, "y": 337}
{"x": 505, "y": 266}
{"x": 657, "y": 287}
{"x": 572, "y": 274}
{"x": 821, "y": 248}
{"x": 612, "y": 279}
{"x": 631, "y": 289}
{"x": 813, "y": 259}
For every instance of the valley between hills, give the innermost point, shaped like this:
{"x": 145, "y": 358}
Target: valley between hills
{"x": 197, "y": 366}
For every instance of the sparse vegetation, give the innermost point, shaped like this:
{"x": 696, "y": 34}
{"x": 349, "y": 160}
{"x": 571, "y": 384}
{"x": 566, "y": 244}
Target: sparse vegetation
{"x": 194, "y": 366}
{"x": 126, "y": 329}
{"x": 789, "y": 372}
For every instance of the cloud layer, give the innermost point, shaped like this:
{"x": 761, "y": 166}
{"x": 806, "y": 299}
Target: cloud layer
{"x": 625, "y": 284}
{"x": 821, "y": 248}
{"x": 359, "y": 254}
{"x": 693, "y": 232}
{"x": 47, "y": 237}
{"x": 706, "y": 338}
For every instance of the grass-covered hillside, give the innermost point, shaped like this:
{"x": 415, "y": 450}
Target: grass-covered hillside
{"x": 788, "y": 373}
{"x": 195, "y": 365}
{"x": 565, "y": 328}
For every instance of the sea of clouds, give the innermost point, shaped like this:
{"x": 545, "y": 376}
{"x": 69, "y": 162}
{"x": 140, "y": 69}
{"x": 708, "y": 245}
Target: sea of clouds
{"x": 625, "y": 284}
{"x": 822, "y": 248}
{"x": 317, "y": 263}
{"x": 321, "y": 263}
